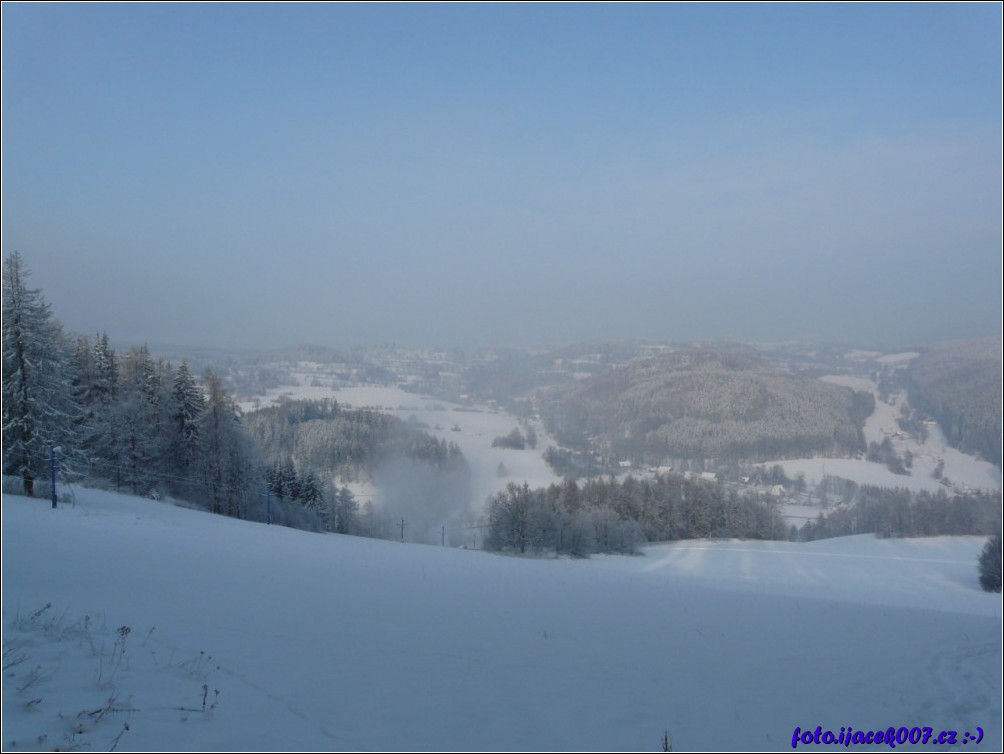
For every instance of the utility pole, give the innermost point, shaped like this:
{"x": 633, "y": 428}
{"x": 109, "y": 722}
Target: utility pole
{"x": 442, "y": 536}
{"x": 52, "y": 473}
{"x": 402, "y": 524}
{"x": 268, "y": 504}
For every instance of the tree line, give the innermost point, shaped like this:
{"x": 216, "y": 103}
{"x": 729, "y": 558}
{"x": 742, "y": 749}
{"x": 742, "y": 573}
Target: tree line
{"x": 899, "y": 512}
{"x": 604, "y": 515}
{"x": 607, "y": 515}
{"x": 140, "y": 425}
{"x": 136, "y": 424}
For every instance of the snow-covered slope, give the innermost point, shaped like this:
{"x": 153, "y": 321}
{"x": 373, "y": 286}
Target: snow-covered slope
{"x": 960, "y": 471}
{"x": 205, "y": 633}
{"x": 472, "y": 427}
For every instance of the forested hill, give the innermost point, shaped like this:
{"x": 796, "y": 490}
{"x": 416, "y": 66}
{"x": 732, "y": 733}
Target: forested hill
{"x": 344, "y": 443}
{"x": 704, "y": 403}
{"x": 959, "y": 385}
{"x": 420, "y": 477}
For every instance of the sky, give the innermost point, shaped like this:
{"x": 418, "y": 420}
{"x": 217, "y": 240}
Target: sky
{"x": 528, "y": 175}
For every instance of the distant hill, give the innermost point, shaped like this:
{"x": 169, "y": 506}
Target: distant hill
{"x": 959, "y": 385}
{"x": 339, "y": 442}
{"x": 707, "y": 403}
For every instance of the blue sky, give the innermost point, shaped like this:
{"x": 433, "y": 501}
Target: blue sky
{"x": 530, "y": 175}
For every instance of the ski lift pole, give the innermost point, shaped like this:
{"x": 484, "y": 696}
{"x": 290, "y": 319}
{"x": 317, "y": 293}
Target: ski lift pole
{"x": 52, "y": 473}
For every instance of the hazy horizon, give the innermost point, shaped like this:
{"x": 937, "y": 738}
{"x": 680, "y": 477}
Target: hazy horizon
{"x": 174, "y": 350}
{"x": 260, "y": 176}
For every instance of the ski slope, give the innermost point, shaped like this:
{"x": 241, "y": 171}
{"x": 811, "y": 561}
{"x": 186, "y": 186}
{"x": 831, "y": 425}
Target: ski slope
{"x": 172, "y": 629}
{"x": 961, "y": 472}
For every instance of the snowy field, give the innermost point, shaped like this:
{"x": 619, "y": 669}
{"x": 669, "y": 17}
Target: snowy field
{"x": 131, "y": 624}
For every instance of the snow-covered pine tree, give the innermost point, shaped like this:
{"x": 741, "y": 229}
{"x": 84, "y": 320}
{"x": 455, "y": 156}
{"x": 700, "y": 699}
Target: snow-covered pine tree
{"x": 291, "y": 488}
{"x": 138, "y": 444}
{"x": 82, "y": 372}
{"x": 185, "y": 410}
{"x": 990, "y": 564}
{"x": 311, "y": 494}
{"x": 38, "y": 405}
{"x": 225, "y": 460}
{"x": 100, "y": 437}
{"x": 343, "y": 512}
{"x": 93, "y": 376}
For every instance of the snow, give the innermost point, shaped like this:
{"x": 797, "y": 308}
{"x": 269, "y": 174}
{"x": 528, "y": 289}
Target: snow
{"x": 473, "y": 428}
{"x": 326, "y": 642}
{"x": 962, "y": 470}
{"x": 859, "y": 354}
{"x": 476, "y": 427}
{"x": 897, "y": 359}
{"x": 888, "y": 359}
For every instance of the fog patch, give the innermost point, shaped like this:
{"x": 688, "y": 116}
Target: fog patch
{"x": 434, "y": 501}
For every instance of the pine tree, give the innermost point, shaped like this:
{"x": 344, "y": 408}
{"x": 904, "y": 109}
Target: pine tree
{"x": 990, "y": 564}
{"x": 99, "y": 436}
{"x": 290, "y": 481}
{"x": 343, "y": 512}
{"x": 311, "y": 494}
{"x": 38, "y": 406}
{"x": 225, "y": 465}
{"x": 82, "y": 372}
{"x": 186, "y": 406}
{"x": 140, "y": 444}
{"x": 89, "y": 387}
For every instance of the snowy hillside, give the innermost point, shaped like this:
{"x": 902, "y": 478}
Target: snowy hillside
{"x": 962, "y": 471}
{"x": 471, "y": 427}
{"x": 138, "y": 625}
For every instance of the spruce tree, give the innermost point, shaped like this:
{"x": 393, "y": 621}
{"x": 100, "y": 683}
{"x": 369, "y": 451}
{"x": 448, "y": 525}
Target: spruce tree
{"x": 343, "y": 513}
{"x": 225, "y": 463}
{"x": 186, "y": 407}
{"x": 139, "y": 445}
{"x": 38, "y": 406}
{"x": 99, "y": 436}
{"x": 990, "y": 564}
